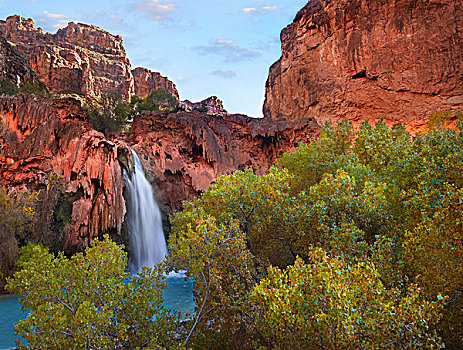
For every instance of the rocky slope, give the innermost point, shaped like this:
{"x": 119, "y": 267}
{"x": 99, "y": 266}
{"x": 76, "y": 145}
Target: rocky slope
{"x": 81, "y": 59}
{"x": 367, "y": 59}
{"x": 211, "y": 106}
{"x": 39, "y": 136}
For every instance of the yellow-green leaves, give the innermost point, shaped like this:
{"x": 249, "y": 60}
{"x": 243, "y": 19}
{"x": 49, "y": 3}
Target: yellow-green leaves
{"x": 89, "y": 301}
{"x": 334, "y": 304}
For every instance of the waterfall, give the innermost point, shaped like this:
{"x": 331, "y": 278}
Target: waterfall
{"x": 147, "y": 242}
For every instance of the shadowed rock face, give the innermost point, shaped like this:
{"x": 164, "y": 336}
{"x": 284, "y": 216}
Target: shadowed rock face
{"x": 13, "y": 65}
{"x": 184, "y": 152}
{"x": 38, "y": 136}
{"x": 367, "y": 59}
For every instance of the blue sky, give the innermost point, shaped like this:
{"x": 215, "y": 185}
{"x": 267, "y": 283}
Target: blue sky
{"x": 207, "y": 47}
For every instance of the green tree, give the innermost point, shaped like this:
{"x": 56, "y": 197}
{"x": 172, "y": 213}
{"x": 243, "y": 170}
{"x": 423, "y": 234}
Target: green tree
{"x": 158, "y": 100}
{"x": 7, "y": 87}
{"x": 330, "y": 303}
{"x": 110, "y": 114}
{"x": 16, "y": 221}
{"x": 215, "y": 256}
{"x": 89, "y": 302}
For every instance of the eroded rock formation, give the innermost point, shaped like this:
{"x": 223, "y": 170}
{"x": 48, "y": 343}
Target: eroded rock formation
{"x": 81, "y": 59}
{"x": 184, "y": 152}
{"x": 39, "y": 136}
{"x": 146, "y": 81}
{"x": 13, "y": 65}
{"x": 367, "y": 59}
{"x": 211, "y": 106}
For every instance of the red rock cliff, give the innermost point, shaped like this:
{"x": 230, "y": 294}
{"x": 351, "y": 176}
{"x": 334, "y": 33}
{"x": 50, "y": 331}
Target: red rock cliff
{"x": 147, "y": 81}
{"x": 81, "y": 59}
{"x": 13, "y": 65}
{"x": 184, "y": 152}
{"x": 367, "y": 59}
{"x": 38, "y": 136}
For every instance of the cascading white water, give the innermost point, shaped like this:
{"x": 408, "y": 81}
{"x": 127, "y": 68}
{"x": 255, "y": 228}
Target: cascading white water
{"x": 148, "y": 245}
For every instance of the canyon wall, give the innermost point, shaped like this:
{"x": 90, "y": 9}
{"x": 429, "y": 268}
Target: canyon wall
{"x": 184, "y": 152}
{"x": 401, "y": 60}
{"x": 13, "y": 65}
{"x": 39, "y": 136}
{"x": 81, "y": 59}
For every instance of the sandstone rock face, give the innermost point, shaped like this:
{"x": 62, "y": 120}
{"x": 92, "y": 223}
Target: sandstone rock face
{"x": 184, "y": 152}
{"x": 38, "y": 136}
{"x": 367, "y": 59}
{"x": 82, "y": 59}
{"x": 78, "y": 59}
{"x": 146, "y": 81}
{"x": 211, "y": 106}
{"x": 13, "y": 64}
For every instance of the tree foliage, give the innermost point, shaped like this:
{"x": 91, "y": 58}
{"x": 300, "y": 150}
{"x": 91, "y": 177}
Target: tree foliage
{"x": 90, "y": 302}
{"x": 373, "y": 215}
{"x": 330, "y": 303}
{"x": 112, "y": 114}
{"x": 157, "y": 100}
{"x": 16, "y": 221}
{"x": 352, "y": 241}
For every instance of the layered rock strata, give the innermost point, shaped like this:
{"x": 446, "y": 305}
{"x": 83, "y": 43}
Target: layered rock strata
{"x": 81, "y": 59}
{"x": 401, "y": 60}
{"x": 13, "y": 65}
{"x": 146, "y": 81}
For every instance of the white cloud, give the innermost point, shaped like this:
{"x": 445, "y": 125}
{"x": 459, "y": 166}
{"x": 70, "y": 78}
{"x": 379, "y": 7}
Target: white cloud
{"x": 270, "y": 8}
{"x": 262, "y": 10}
{"x": 157, "y": 9}
{"x": 54, "y": 15}
{"x": 61, "y": 24}
{"x": 249, "y": 9}
{"x": 228, "y": 50}
{"x": 224, "y": 73}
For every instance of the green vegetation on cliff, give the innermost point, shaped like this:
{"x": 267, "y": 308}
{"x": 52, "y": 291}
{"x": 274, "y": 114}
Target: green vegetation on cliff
{"x": 112, "y": 114}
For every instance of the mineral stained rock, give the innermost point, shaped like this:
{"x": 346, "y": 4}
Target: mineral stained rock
{"x": 39, "y": 136}
{"x": 184, "y": 152}
{"x": 401, "y": 60}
